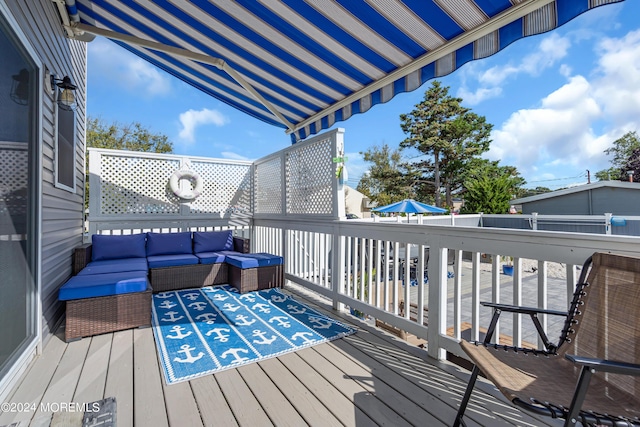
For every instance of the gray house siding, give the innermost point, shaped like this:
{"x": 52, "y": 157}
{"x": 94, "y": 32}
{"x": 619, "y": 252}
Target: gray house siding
{"x": 602, "y": 197}
{"x": 61, "y": 210}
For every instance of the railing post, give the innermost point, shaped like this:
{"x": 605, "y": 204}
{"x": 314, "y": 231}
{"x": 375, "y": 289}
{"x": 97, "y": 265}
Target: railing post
{"x": 437, "y": 298}
{"x": 607, "y": 221}
{"x": 337, "y": 266}
{"x": 534, "y": 220}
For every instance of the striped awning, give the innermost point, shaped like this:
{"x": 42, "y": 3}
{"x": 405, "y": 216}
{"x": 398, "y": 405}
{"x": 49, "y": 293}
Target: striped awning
{"x": 306, "y": 64}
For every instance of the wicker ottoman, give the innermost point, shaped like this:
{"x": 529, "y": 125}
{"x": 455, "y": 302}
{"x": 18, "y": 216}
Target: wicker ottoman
{"x": 253, "y": 272}
{"x": 187, "y": 276}
{"x": 102, "y": 303}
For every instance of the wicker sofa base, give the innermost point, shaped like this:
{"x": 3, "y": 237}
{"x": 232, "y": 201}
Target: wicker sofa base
{"x": 255, "y": 279}
{"x": 187, "y": 276}
{"x": 92, "y": 316}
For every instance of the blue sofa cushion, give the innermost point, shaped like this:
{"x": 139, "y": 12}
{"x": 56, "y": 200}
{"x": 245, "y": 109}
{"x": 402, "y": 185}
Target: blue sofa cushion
{"x": 118, "y": 247}
{"x": 100, "y": 285}
{"x": 211, "y": 257}
{"x": 169, "y": 243}
{"x": 114, "y": 266}
{"x": 159, "y": 261}
{"x": 212, "y": 241}
{"x": 253, "y": 260}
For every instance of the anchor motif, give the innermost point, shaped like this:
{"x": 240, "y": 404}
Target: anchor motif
{"x": 187, "y": 351}
{"x": 279, "y": 298}
{"x": 234, "y": 290}
{"x": 163, "y": 295}
{"x": 263, "y": 340}
{"x": 263, "y": 308}
{"x": 294, "y": 309}
{"x": 234, "y": 352}
{"x": 248, "y": 297}
{"x": 209, "y": 318}
{"x": 192, "y": 296}
{"x": 219, "y": 332}
{"x": 230, "y": 307}
{"x": 319, "y": 322}
{"x": 281, "y": 321}
{"x": 167, "y": 305}
{"x": 219, "y": 297}
{"x": 172, "y": 317}
{"x": 198, "y": 305}
{"x": 241, "y": 320}
{"x": 302, "y": 335}
{"x": 179, "y": 335}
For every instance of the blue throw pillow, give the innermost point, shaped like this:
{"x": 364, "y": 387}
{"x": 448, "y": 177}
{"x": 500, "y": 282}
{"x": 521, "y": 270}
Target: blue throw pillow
{"x": 117, "y": 247}
{"x": 212, "y": 241}
{"x": 169, "y": 243}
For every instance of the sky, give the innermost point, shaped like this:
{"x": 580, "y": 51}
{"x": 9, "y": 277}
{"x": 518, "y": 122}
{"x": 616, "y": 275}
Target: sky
{"x": 556, "y": 102}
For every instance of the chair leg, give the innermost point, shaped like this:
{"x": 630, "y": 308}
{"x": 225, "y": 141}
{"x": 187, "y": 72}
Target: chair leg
{"x": 578, "y": 396}
{"x": 467, "y": 396}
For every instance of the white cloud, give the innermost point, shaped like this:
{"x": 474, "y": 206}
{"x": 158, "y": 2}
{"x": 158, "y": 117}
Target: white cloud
{"x": 550, "y": 50}
{"x": 192, "y": 119}
{"x": 127, "y": 70}
{"x": 577, "y": 122}
{"x": 233, "y": 156}
{"x": 474, "y": 98}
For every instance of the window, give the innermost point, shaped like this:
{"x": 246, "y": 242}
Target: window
{"x": 65, "y": 160}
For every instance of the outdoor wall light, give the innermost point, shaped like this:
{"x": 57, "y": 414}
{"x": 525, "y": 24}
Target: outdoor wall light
{"x": 66, "y": 98}
{"x": 20, "y": 87}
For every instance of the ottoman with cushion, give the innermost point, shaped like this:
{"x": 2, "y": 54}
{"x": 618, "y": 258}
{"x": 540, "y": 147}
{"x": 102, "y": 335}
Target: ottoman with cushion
{"x": 256, "y": 271}
{"x": 102, "y": 303}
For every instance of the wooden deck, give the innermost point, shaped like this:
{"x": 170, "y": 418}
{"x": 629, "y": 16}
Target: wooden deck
{"x": 370, "y": 378}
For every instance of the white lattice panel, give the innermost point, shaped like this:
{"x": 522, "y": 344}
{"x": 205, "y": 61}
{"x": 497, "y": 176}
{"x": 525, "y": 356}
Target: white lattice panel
{"x": 226, "y": 188}
{"x": 268, "y": 186}
{"x": 137, "y": 186}
{"x": 14, "y": 173}
{"x": 309, "y": 179}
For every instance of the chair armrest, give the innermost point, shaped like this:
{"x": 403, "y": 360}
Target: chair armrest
{"x": 242, "y": 245}
{"x": 523, "y": 310}
{"x": 603, "y": 365}
{"x": 81, "y": 257}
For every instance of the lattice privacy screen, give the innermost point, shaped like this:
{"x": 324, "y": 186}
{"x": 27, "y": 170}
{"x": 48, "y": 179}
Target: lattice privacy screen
{"x": 310, "y": 179}
{"x": 139, "y": 185}
{"x": 14, "y": 173}
{"x": 268, "y": 186}
{"x": 308, "y": 182}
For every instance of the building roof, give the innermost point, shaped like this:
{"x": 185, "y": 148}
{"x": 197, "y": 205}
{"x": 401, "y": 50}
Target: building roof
{"x": 577, "y": 189}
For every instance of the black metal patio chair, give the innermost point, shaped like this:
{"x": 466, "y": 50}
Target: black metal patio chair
{"x": 592, "y": 376}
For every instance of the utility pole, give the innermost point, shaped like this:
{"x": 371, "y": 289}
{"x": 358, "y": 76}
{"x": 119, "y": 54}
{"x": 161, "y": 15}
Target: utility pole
{"x": 588, "y": 177}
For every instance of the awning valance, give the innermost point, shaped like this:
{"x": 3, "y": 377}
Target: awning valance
{"x": 306, "y": 64}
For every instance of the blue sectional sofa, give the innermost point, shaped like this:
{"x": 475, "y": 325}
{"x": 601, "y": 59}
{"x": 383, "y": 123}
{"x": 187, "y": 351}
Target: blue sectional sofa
{"x": 116, "y": 270}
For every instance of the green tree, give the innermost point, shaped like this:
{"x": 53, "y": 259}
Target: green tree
{"x": 489, "y": 195}
{"x": 622, "y": 151}
{"x": 132, "y": 137}
{"x": 386, "y": 181}
{"x": 527, "y": 192}
{"x": 447, "y": 136}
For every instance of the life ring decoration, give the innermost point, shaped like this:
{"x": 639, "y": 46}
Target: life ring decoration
{"x": 194, "y": 178}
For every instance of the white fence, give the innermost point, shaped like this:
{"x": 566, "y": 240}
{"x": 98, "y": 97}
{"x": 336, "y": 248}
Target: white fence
{"x": 345, "y": 261}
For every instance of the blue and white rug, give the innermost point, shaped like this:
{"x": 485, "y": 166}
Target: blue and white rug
{"x": 201, "y": 331}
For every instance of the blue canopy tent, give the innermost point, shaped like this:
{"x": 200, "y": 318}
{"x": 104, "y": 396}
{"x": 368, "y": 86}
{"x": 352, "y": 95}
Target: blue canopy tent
{"x": 410, "y": 206}
{"x": 306, "y": 65}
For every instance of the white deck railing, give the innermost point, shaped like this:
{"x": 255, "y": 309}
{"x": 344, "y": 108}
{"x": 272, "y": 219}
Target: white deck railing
{"x": 345, "y": 261}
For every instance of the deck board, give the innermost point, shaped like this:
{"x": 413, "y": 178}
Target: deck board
{"x": 214, "y": 409}
{"x": 93, "y": 377}
{"x": 148, "y": 397}
{"x": 306, "y": 403}
{"x": 246, "y": 408}
{"x": 120, "y": 375}
{"x": 369, "y": 378}
{"x": 280, "y": 411}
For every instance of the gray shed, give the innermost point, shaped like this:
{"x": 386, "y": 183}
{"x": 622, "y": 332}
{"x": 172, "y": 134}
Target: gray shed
{"x": 598, "y": 198}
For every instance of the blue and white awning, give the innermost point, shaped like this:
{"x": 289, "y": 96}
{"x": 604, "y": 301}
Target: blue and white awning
{"x": 306, "y": 64}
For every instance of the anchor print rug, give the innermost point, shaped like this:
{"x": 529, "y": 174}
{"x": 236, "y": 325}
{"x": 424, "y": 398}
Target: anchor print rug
{"x": 202, "y": 331}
